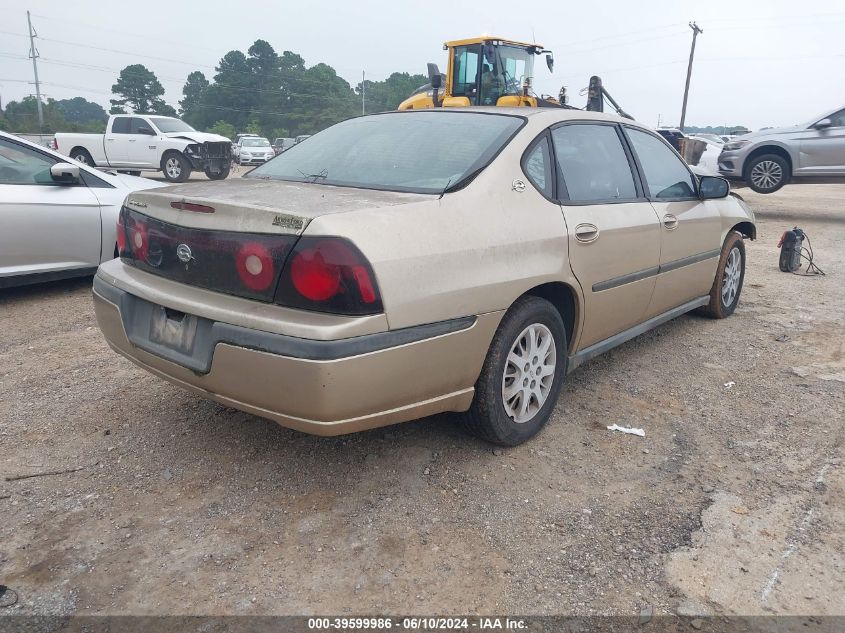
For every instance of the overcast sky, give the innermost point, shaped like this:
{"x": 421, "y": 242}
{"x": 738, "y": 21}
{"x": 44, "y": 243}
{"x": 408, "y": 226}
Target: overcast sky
{"x": 758, "y": 62}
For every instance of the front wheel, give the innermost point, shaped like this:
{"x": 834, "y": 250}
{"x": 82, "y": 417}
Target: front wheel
{"x": 522, "y": 375}
{"x": 218, "y": 175}
{"x": 767, "y": 173}
{"x": 176, "y": 167}
{"x": 727, "y": 286}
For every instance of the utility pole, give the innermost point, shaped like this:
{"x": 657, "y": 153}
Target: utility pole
{"x": 363, "y": 89}
{"x": 33, "y": 53}
{"x": 695, "y": 32}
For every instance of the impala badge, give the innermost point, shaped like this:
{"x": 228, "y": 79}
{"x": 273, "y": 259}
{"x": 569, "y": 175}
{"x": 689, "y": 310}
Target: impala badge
{"x": 183, "y": 252}
{"x": 518, "y": 185}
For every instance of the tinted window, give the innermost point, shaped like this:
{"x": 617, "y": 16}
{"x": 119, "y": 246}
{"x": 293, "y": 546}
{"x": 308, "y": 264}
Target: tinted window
{"x": 21, "y": 165}
{"x": 466, "y": 70}
{"x": 120, "y": 125}
{"x": 837, "y": 119}
{"x": 136, "y": 125}
{"x": 666, "y": 175}
{"x": 537, "y": 165}
{"x": 390, "y": 151}
{"x": 592, "y": 164}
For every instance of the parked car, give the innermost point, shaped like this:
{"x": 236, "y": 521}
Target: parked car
{"x": 351, "y": 283}
{"x": 768, "y": 159}
{"x": 301, "y": 138}
{"x": 283, "y": 143}
{"x": 253, "y": 150}
{"x": 58, "y": 217}
{"x": 672, "y": 135}
{"x": 149, "y": 142}
{"x": 238, "y": 137}
{"x": 708, "y": 161}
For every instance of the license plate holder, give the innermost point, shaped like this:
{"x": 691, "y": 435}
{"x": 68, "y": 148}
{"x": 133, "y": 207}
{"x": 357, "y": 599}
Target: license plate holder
{"x": 173, "y": 329}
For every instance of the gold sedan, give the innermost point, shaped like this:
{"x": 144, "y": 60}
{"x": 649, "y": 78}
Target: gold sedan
{"x": 408, "y": 263}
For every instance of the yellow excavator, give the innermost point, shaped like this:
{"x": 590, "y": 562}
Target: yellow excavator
{"x": 494, "y": 71}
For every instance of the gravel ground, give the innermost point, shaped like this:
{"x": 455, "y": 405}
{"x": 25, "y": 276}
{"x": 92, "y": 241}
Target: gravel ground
{"x": 177, "y": 505}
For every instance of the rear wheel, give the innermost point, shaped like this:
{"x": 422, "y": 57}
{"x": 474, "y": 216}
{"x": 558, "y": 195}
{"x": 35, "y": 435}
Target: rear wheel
{"x": 176, "y": 167}
{"x": 219, "y": 175}
{"x": 81, "y": 155}
{"x": 727, "y": 286}
{"x": 767, "y": 173}
{"x": 522, "y": 375}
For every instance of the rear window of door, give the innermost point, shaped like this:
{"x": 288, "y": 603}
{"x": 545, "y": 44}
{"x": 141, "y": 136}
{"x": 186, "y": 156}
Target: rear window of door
{"x": 537, "y": 165}
{"x": 666, "y": 175}
{"x": 592, "y": 164}
{"x": 120, "y": 125}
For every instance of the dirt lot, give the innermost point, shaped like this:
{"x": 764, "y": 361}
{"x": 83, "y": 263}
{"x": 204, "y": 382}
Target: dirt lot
{"x": 732, "y": 503}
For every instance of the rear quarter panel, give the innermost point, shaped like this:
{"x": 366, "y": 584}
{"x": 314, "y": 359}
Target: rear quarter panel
{"x": 93, "y": 143}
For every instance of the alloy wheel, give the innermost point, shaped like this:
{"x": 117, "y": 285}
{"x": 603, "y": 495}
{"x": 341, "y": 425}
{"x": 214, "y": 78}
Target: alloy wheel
{"x": 766, "y": 174}
{"x": 529, "y": 373}
{"x": 173, "y": 168}
{"x": 730, "y": 280}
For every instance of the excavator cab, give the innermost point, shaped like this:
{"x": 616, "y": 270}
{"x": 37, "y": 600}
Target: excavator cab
{"x": 483, "y": 72}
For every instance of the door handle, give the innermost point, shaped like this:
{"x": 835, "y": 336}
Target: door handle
{"x": 132, "y": 140}
{"x": 586, "y": 233}
{"x": 109, "y": 139}
{"x": 670, "y": 222}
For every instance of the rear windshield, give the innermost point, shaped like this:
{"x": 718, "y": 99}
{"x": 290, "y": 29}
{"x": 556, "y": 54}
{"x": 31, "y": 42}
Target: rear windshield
{"x": 424, "y": 152}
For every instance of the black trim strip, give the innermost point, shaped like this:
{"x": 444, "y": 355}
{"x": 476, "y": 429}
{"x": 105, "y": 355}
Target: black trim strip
{"x": 655, "y": 270}
{"x": 687, "y": 261}
{"x": 136, "y": 314}
{"x": 617, "y": 339}
{"x": 626, "y": 279}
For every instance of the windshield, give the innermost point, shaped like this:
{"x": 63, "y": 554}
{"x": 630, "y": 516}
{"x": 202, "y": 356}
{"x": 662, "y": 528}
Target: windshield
{"x": 166, "y": 124}
{"x": 255, "y": 142}
{"x": 423, "y": 152}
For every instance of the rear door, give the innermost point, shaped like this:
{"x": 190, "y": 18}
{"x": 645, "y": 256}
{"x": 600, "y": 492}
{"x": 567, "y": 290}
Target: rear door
{"x": 690, "y": 228}
{"x": 117, "y": 141}
{"x": 823, "y": 150}
{"x": 614, "y": 233}
{"x": 45, "y": 226}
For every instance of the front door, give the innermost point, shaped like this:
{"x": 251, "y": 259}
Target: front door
{"x": 46, "y": 226}
{"x": 614, "y": 233}
{"x": 823, "y": 149}
{"x": 143, "y": 144}
{"x": 690, "y": 228}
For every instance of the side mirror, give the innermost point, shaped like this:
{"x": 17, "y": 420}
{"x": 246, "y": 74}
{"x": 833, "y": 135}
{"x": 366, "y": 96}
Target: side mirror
{"x": 550, "y": 61}
{"x": 434, "y": 76}
{"x": 65, "y": 173}
{"x": 712, "y": 187}
{"x": 146, "y": 130}
{"x": 820, "y": 125}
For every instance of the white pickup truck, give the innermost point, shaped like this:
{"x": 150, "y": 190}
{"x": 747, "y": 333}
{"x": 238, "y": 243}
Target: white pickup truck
{"x": 135, "y": 142}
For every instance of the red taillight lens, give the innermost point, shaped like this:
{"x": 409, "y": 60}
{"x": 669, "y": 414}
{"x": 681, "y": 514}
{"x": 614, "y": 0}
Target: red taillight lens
{"x": 121, "y": 236}
{"x": 255, "y": 266}
{"x": 329, "y": 274}
{"x": 139, "y": 240}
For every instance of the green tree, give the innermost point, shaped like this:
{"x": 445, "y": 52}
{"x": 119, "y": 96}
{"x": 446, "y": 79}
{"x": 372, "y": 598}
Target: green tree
{"x": 231, "y": 96}
{"x": 382, "y": 96}
{"x": 139, "y": 90}
{"x": 193, "y": 103}
{"x": 22, "y": 116}
{"x": 223, "y": 128}
{"x": 80, "y": 110}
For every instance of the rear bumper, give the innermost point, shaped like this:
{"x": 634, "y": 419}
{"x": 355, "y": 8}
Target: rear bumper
{"x": 316, "y": 386}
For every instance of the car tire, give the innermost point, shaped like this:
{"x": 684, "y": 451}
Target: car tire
{"x": 220, "y": 175}
{"x": 176, "y": 167}
{"x": 730, "y": 275}
{"x": 499, "y": 401}
{"x": 767, "y": 173}
{"x": 81, "y": 155}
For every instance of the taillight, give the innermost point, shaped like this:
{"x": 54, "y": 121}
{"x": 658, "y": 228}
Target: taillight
{"x": 329, "y": 274}
{"x": 255, "y": 266}
{"x": 54, "y": 145}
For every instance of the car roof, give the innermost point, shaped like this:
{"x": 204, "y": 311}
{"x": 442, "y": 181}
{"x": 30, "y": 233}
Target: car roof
{"x": 547, "y": 115}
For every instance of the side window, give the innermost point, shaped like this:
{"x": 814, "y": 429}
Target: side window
{"x": 666, "y": 175}
{"x": 837, "y": 119}
{"x": 592, "y": 164}
{"x": 120, "y": 125}
{"x": 21, "y": 165}
{"x": 537, "y": 165}
{"x": 136, "y": 123}
{"x": 466, "y": 70}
